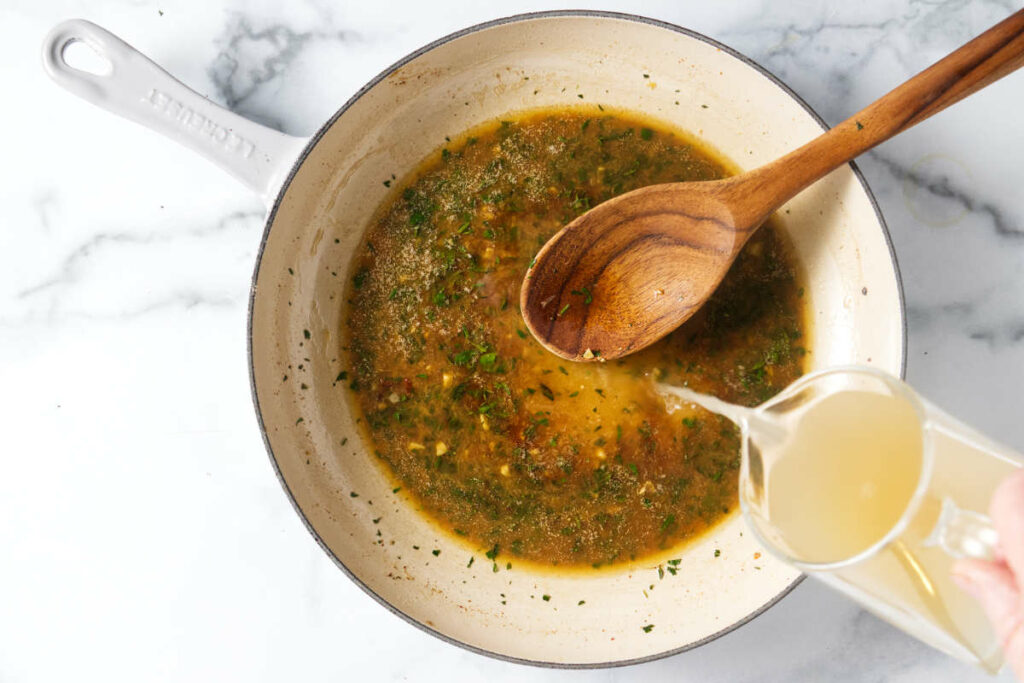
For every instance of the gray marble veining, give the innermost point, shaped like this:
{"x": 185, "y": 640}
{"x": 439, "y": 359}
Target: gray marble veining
{"x": 250, "y": 59}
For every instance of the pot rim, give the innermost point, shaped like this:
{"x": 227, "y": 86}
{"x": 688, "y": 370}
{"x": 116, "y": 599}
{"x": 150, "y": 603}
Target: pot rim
{"x": 314, "y": 140}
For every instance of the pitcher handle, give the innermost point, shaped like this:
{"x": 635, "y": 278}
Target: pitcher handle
{"x": 963, "y": 533}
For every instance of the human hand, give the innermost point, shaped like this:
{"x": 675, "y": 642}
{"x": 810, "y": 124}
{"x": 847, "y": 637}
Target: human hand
{"x": 997, "y": 584}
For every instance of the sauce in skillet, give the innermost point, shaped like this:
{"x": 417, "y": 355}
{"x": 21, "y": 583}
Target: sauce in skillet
{"x": 500, "y": 442}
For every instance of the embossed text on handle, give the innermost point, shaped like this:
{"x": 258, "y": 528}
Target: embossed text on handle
{"x": 198, "y": 124}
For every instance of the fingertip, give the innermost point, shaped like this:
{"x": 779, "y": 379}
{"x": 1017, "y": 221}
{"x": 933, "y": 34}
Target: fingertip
{"x": 971, "y": 575}
{"x": 966, "y": 583}
{"x": 1008, "y": 498}
{"x": 993, "y": 586}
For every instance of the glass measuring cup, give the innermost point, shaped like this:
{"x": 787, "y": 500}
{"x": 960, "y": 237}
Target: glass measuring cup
{"x": 852, "y": 477}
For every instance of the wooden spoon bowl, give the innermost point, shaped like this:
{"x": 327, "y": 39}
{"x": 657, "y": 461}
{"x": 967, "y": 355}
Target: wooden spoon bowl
{"x": 629, "y": 272}
{"x": 632, "y": 269}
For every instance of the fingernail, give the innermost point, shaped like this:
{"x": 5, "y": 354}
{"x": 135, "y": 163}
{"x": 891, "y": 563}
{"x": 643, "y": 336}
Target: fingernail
{"x": 966, "y": 584}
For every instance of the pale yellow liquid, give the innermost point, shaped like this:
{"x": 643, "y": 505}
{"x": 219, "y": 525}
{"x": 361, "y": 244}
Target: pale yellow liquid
{"x": 844, "y": 476}
{"x": 829, "y": 478}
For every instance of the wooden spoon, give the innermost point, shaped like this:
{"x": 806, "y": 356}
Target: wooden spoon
{"x": 632, "y": 269}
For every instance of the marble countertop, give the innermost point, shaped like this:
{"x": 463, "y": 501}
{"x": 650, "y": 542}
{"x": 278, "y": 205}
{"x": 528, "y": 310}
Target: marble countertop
{"x": 144, "y": 535}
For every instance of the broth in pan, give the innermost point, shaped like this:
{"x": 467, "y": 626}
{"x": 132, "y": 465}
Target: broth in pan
{"x": 518, "y": 451}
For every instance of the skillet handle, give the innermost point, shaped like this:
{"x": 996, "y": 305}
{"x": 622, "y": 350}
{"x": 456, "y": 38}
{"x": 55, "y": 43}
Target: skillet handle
{"x": 137, "y": 89}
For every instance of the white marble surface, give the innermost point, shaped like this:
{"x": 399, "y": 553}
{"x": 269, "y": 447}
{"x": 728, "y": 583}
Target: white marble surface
{"x": 144, "y": 536}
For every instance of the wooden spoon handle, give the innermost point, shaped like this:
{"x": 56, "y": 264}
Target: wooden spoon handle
{"x": 984, "y": 60}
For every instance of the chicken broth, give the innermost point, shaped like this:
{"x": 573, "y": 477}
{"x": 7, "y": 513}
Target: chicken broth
{"x": 522, "y": 453}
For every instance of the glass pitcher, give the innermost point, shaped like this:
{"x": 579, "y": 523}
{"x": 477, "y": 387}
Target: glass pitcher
{"x": 852, "y": 477}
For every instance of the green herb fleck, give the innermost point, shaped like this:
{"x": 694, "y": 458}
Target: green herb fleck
{"x": 359, "y": 279}
{"x": 585, "y": 293}
{"x": 464, "y": 358}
